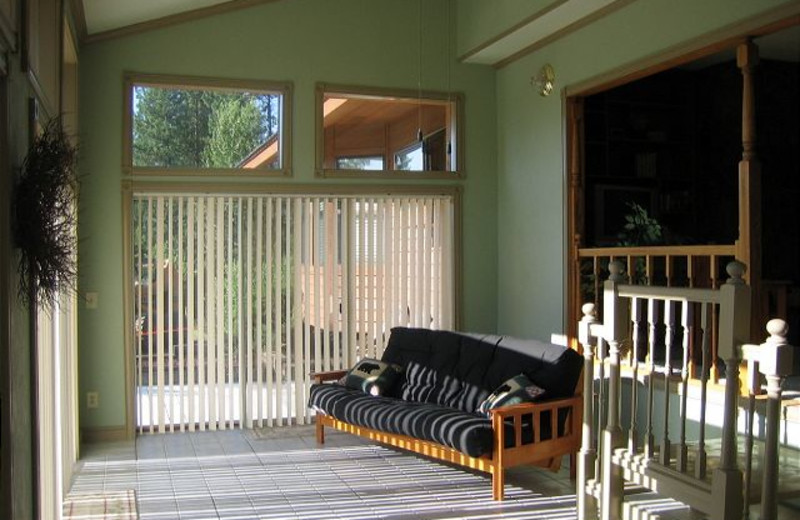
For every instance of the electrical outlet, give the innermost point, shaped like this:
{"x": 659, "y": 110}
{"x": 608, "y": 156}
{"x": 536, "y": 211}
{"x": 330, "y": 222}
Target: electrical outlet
{"x": 91, "y": 300}
{"x": 92, "y": 399}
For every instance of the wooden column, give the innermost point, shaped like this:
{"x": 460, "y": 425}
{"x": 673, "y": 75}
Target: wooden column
{"x": 734, "y": 327}
{"x": 575, "y": 211}
{"x": 587, "y": 457}
{"x": 776, "y": 361}
{"x": 615, "y": 328}
{"x": 748, "y": 246}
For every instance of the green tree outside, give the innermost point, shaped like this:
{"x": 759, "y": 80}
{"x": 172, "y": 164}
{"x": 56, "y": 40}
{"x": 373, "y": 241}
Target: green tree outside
{"x": 175, "y": 128}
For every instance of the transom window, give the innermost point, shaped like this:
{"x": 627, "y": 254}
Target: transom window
{"x": 379, "y": 132}
{"x": 202, "y": 125}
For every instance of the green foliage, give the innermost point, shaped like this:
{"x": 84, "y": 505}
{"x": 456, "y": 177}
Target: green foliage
{"x": 174, "y": 128}
{"x": 235, "y": 131}
{"x": 640, "y": 229}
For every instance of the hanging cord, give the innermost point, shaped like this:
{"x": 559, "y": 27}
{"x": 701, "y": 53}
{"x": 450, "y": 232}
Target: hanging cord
{"x": 419, "y": 73}
{"x": 449, "y": 87}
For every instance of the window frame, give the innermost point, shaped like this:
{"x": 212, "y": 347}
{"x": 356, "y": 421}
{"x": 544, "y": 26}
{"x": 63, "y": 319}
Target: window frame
{"x": 282, "y": 88}
{"x": 456, "y": 126}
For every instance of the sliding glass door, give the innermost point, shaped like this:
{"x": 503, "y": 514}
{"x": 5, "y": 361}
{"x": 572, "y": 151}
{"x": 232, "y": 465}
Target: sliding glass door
{"x": 238, "y": 298}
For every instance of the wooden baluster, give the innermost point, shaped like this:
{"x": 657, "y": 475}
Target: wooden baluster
{"x": 652, "y": 321}
{"x": 631, "y": 268}
{"x": 615, "y": 329}
{"x": 775, "y": 362}
{"x": 705, "y": 319}
{"x": 690, "y": 273}
{"x": 686, "y": 324}
{"x": 753, "y": 388}
{"x": 668, "y": 269}
{"x": 734, "y": 330}
{"x": 669, "y": 321}
{"x": 596, "y": 275}
{"x": 600, "y": 353}
{"x": 713, "y": 373}
{"x": 639, "y": 333}
{"x": 648, "y": 270}
{"x": 587, "y": 457}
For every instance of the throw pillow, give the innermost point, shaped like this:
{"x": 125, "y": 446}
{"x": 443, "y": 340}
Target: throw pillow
{"x": 372, "y": 376}
{"x": 518, "y": 389}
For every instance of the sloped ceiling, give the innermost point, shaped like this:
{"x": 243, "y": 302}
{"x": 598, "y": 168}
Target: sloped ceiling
{"x": 530, "y": 24}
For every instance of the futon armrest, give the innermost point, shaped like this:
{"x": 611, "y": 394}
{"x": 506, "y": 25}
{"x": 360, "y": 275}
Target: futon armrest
{"x": 516, "y": 412}
{"x": 537, "y": 407}
{"x": 332, "y": 375}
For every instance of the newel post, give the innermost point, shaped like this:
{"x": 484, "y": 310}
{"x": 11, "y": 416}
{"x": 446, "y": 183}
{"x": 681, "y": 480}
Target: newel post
{"x": 587, "y": 504}
{"x": 749, "y": 242}
{"x": 734, "y": 331}
{"x": 614, "y": 331}
{"x": 775, "y": 362}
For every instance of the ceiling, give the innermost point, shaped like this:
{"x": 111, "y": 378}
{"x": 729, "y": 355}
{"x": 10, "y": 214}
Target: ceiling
{"x": 109, "y": 18}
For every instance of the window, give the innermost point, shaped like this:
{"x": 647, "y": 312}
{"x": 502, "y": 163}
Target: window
{"x": 360, "y": 163}
{"x": 178, "y": 125}
{"x": 388, "y": 133}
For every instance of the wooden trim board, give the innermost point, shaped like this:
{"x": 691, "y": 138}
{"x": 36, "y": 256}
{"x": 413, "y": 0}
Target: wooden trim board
{"x": 173, "y": 19}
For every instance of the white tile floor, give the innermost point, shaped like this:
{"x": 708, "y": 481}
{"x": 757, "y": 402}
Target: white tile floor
{"x": 242, "y": 475}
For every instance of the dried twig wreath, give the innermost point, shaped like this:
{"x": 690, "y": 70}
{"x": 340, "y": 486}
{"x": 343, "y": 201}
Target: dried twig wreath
{"x": 46, "y": 216}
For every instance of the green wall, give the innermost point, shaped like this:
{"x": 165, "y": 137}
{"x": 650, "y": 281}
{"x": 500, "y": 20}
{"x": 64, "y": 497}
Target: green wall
{"x": 360, "y": 42}
{"x": 531, "y": 157}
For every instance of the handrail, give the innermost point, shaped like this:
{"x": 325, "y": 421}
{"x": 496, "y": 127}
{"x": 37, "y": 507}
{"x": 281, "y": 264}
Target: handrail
{"x": 678, "y": 250}
{"x": 677, "y": 294}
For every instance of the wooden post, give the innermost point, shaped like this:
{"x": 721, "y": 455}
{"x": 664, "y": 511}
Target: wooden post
{"x": 587, "y": 457}
{"x": 734, "y": 327}
{"x": 498, "y": 469}
{"x": 615, "y": 328}
{"x": 576, "y": 209}
{"x": 748, "y": 246}
{"x": 775, "y": 362}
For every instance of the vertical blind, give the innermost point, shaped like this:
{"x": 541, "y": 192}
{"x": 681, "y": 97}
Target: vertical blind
{"x": 237, "y": 299}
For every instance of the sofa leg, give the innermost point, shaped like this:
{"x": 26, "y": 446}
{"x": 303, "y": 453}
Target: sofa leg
{"x": 320, "y": 432}
{"x": 498, "y": 484}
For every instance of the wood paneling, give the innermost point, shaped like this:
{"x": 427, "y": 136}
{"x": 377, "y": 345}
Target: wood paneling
{"x": 8, "y": 24}
{"x": 41, "y": 56}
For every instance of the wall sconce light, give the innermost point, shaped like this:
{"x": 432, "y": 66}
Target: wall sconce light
{"x": 545, "y": 80}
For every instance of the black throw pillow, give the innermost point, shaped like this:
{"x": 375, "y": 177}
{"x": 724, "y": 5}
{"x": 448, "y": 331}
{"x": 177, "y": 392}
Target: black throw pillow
{"x": 518, "y": 389}
{"x": 372, "y": 376}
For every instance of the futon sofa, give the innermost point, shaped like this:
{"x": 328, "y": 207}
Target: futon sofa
{"x": 485, "y": 402}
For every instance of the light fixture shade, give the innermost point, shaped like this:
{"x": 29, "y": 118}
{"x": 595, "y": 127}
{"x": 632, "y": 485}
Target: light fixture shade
{"x": 545, "y": 80}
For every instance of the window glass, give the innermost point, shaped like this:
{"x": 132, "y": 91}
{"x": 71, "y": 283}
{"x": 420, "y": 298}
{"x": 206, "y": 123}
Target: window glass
{"x": 360, "y": 163}
{"x": 409, "y": 159}
{"x": 389, "y": 131}
{"x": 183, "y": 125}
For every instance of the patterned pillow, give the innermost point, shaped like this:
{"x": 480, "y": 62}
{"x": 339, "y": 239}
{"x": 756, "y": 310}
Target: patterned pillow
{"x": 518, "y": 389}
{"x": 372, "y": 376}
